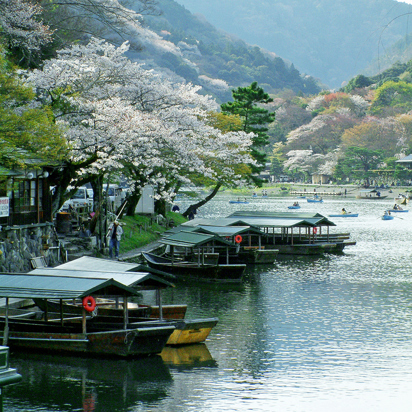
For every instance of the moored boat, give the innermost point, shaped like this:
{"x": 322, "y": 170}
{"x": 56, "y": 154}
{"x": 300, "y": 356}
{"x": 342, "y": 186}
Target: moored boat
{"x": 186, "y": 270}
{"x": 76, "y": 334}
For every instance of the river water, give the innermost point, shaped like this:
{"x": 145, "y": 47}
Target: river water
{"x": 302, "y": 335}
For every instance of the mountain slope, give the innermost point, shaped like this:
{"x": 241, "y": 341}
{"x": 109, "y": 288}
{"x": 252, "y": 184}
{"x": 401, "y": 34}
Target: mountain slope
{"x": 332, "y": 40}
{"x": 201, "y": 54}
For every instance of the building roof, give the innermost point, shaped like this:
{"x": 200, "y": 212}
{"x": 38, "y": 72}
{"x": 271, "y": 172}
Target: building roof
{"x": 406, "y": 159}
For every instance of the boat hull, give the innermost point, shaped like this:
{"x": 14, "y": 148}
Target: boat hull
{"x": 219, "y": 273}
{"x": 345, "y": 215}
{"x": 51, "y": 337}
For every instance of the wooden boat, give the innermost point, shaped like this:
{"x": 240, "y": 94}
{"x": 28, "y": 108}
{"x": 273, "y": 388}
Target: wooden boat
{"x": 186, "y": 331}
{"x": 77, "y": 335}
{"x": 344, "y": 215}
{"x": 370, "y": 194}
{"x": 185, "y": 270}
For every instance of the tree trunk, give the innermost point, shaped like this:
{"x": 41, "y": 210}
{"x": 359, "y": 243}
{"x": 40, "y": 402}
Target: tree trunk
{"x": 192, "y": 208}
{"x": 160, "y": 207}
{"x": 132, "y": 202}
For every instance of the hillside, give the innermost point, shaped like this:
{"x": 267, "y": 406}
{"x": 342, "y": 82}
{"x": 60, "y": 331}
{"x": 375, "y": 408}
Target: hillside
{"x": 215, "y": 60}
{"x": 331, "y": 40}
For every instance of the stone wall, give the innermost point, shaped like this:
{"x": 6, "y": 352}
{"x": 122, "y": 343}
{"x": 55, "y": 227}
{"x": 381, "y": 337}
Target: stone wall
{"x": 18, "y": 244}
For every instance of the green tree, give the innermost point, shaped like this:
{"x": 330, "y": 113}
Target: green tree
{"x": 358, "y": 162}
{"x": 247, "y": 105}
{"x": 25, "y": 131}
{"x": 392, "y": 98}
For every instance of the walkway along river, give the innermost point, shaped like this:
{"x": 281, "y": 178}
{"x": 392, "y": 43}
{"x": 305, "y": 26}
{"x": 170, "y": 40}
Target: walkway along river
{"x": 302, "y": 335}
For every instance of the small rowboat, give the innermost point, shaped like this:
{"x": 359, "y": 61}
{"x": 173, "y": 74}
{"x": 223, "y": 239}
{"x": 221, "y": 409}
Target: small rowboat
{"x": 387, "y": 217}
{"x": 239, "y": 201}
{"x": 398, "y": 211}
{"x": 315, "y": 200}
{"x": 345, "y": 215}
{"x": 293, "y": 207}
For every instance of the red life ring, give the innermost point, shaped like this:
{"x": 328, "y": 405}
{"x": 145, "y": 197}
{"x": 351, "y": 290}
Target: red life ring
{"x": 89, "y": 303}
{"x": 238, "y": 239}
{"x": 315, "y": 230}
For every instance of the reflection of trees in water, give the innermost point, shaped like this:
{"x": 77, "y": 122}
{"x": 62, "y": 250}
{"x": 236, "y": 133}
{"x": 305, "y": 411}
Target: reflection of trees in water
{"x": 66, "y": 384}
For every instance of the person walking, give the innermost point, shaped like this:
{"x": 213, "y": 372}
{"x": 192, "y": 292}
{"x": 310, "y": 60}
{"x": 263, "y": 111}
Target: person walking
{"x": 115, "y": 235}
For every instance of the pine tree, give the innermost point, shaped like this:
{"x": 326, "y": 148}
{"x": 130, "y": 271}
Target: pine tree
{"x": 247, "y": 105}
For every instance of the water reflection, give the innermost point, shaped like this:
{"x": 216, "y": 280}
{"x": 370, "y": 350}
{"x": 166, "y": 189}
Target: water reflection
{"x": 189, "y": 356}
{"x": 59, "y": 383}
{"x": 320, "y": 334}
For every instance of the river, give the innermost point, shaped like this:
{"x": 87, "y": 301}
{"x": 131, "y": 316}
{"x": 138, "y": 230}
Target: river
{"x": 301, "y": 335}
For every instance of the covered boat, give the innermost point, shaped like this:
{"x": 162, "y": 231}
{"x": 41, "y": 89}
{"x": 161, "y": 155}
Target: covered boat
{"x": 76, "y": 334}
{"x": 370, "y": 194}
{"x": 190, "y": 255}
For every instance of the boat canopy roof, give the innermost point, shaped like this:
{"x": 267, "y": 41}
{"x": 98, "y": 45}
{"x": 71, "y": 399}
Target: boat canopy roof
{"x": 88, "y": 263}
{"x": 256, "y": 222}
{"x": 369, "y": 191}
{"x": 193, "y": 239}
{"x": 138, "y": 280}
{"x": 27, "y": 285}
{"x": 228, "y": 230}
{"x": 282, "y": 219}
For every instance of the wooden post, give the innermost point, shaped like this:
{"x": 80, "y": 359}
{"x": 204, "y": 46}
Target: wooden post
{"x": 6, "y": 325}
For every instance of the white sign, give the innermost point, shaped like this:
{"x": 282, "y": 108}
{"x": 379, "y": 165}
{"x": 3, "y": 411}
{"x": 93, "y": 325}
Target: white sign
{"x": 4, "y": 206}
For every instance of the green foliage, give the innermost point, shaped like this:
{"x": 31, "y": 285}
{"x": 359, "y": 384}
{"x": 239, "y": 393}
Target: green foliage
{"x": 358, "y": 161}
{"x": 247, "y": 105}
{"x": 357, "y": 82}
{"x": 25, "y": 132}
{"x": 140, "y": 230}
{"x": 394, "y": 95}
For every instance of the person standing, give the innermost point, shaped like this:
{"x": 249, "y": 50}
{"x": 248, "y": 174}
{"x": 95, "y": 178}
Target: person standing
{"x": 115, "y": 235}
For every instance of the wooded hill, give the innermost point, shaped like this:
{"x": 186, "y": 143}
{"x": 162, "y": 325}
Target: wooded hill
{"x": 216, "y": 60}
{"x": 331, "y": 40}
{"x": 356, "y": 133}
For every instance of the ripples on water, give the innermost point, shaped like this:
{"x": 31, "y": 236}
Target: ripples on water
{"x": 321, "y": 334}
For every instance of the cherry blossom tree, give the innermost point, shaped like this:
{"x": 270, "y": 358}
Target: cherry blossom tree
{"x": 21, "y": 28}
{"x": 121, "y": 118}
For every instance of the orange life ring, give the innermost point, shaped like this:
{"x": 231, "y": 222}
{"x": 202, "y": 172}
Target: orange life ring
{"x": 89, "y": 303}
{"x": 315, "y": 230}
{"x": 238, "y": 239}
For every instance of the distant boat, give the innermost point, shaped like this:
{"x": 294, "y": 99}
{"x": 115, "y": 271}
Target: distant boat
{"x": 345, "y": 215}
{"x": 245, "y": 202}
{"x": 314, "y": 200}
{"x": 398, "y": 210}
{"x": 294, "y": 207}
{"x": 370, "y": 194}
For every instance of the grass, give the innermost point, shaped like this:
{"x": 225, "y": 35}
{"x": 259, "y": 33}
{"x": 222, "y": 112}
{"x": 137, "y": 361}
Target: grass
{"x": 140, "y": 230}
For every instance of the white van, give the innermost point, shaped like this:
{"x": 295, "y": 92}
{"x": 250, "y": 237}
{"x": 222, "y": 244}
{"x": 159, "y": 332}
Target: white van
{"x": 114, "y": 195}
{"x": 80, "y": 199}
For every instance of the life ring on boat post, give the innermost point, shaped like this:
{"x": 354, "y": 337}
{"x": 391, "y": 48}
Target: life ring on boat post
{"x": 238, "y": 239}
{"x": 89, "y": 303}
{"x": 315, "y": 230}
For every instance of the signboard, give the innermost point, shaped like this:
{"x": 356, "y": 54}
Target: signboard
{"x": 4, "y": 206}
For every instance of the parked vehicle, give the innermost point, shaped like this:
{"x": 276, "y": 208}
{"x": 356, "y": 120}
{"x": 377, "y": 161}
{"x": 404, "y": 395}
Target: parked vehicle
{"x": 80, "y": 199}
{"x": 114, "y": 196}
